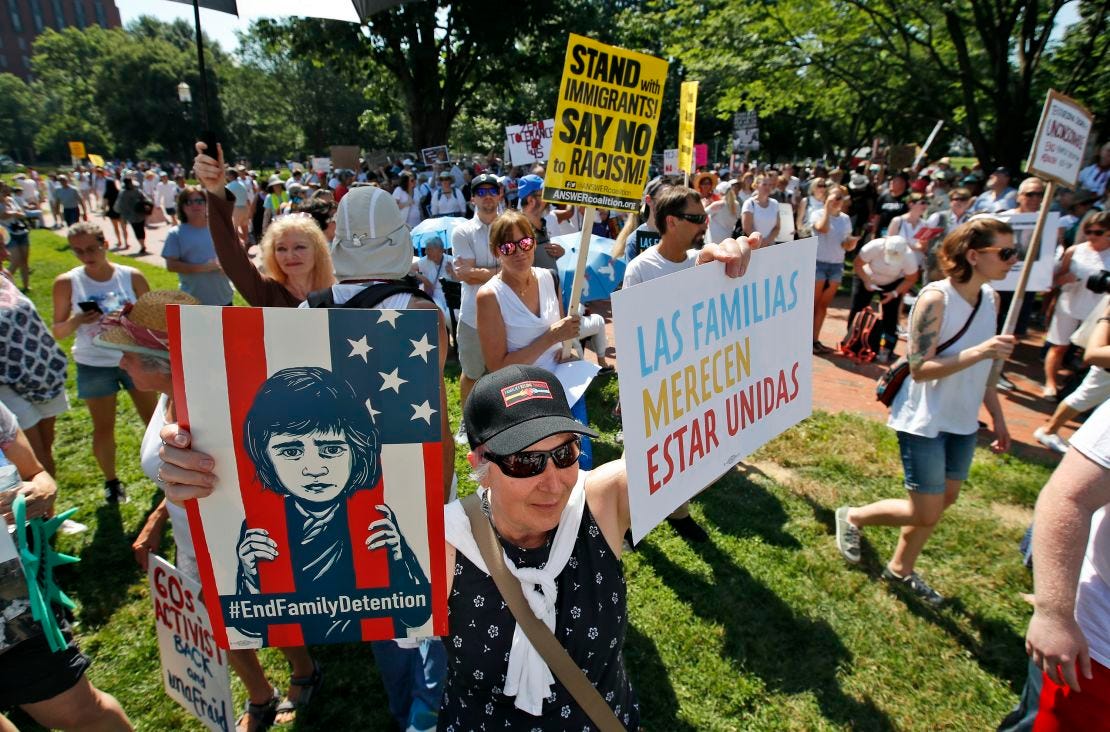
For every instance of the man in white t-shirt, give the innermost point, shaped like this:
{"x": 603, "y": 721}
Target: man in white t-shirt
{"x": 1069, "y": 635}
{"x": 682, "y": 223}
{"x": 474, "y": 266}
{"x": 165, "y": 195}
{"x": 447, "y": 200}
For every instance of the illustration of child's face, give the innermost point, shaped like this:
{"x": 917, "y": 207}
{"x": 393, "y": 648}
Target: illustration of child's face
{"x": 313, "y": 467}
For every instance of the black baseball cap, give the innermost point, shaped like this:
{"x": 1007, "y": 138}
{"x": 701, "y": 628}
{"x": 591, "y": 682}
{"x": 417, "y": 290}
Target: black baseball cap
{"x": 518, "y": 406}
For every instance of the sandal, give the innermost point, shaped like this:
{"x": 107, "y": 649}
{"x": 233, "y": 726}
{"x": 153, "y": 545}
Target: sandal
{"x": 309, "y": 685}
{"x": 820, "y": 348}
{"x": 262, "y": 715}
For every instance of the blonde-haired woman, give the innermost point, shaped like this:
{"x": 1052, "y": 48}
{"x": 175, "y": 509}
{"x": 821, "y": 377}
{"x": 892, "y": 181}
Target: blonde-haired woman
{"x": 723, "y": 215}
{"x": 294, "y": 249}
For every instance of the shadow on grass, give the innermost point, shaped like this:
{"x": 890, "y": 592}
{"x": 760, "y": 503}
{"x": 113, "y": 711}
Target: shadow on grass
{"x": 107, "y": 569}
{"x": 994, "y": 651}
{"x": 659, "y": 709}
{"x": 744, "y": 507}
{"x": 791, "y": 653}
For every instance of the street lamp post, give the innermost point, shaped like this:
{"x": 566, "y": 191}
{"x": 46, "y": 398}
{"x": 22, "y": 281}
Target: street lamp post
{"x": 185, "y": 96}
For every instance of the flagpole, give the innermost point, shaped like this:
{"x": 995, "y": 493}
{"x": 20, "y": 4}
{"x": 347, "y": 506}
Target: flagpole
{"x": 203, "y": 73}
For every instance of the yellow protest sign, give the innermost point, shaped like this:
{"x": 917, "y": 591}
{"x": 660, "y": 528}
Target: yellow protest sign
{"x": 96, "y": 160}
{"x": 609, "y": 103}
{"x": 77, "y": 149}
{"x": 687, "y": 113}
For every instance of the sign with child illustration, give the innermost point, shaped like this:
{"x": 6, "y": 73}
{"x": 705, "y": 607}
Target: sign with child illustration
{"x": 326, "y": 525}
{"x": 712, "y": 368}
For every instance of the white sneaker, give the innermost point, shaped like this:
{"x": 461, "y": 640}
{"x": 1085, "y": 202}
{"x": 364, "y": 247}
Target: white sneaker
{"x": 1052, "y": 442}
{"x": 461, "y": 437}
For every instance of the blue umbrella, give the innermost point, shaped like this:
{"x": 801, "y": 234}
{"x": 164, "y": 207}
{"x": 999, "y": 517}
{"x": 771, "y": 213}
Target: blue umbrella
{"x": 603, "y": 273}
{"x": 438, "y": 228}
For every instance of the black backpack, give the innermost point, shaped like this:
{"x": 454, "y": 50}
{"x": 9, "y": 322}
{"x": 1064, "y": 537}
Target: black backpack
{"x": 372, "y": 295}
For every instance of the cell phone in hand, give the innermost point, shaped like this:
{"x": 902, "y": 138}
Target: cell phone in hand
{"x": 90, "y": 306}
{"x": 208, "y": 137}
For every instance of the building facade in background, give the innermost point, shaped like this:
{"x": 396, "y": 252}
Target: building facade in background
{"x": 21, "y": 21}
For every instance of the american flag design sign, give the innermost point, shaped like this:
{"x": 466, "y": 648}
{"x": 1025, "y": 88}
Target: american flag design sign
{"x": 326, "y": 523}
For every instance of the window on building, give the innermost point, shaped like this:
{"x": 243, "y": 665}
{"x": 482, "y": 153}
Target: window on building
{"x": 36, "y": 15}
{"x": 3, "y": 61}
{"x": 21, "y": 43}
{"x": 17, "y": 19}
{"x": 59, "y": 16}
{"x": 101, "y": 18}
{"x": 79, "y": 14}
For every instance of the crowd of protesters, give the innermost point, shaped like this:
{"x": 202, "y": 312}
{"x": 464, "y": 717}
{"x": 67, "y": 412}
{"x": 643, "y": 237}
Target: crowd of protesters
{"x": 927, "y": 244}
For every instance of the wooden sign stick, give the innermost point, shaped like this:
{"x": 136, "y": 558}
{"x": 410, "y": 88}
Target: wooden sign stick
{"x": 580, "y": 272}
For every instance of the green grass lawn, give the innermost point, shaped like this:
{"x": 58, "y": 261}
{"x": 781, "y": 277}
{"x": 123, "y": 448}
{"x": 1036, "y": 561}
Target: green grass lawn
{"x": 762, "y": 628}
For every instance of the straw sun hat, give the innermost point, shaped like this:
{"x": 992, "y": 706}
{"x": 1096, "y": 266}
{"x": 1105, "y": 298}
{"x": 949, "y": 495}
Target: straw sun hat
{"x": 141, "y": 326}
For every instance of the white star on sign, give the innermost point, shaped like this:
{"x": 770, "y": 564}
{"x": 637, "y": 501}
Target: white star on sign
{"x": 359, "y": 348}
{"x": 373, "y": 412}
{"x": 421, "y": 348}
{"x": 422, "y": 411}
{"x": 389, "y": 316}
{"x": 392, "y": 381}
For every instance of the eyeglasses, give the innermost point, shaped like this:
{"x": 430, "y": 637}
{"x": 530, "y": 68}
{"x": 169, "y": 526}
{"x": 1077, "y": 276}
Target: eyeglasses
{"x": 1033, "y": 194}
{"x": 820, "y": 185}
{"x": 195, "y": 202}
{"x": 920, "y": 203}
{"x": 1004, "y": 253}
{"x": 524, "y": 245}
{"x": 483, "y": 192}
{"x": 693, "y": 218}
{"x": 959, "y": 198}
{"x": 1096, "y": 232}
{"x": 530, "y": 463}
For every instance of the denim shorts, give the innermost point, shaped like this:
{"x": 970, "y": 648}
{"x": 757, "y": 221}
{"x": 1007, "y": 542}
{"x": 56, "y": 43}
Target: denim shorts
{"x": 929, "y": 461}
{"x": 101, "y": 381}
{"x": 831, "y": 271}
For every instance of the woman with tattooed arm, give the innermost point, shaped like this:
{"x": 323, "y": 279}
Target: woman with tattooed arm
{"x": 952, "y": 345}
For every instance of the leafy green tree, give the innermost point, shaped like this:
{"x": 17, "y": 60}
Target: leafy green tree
{"x": 19, "y": 117}
{"x": 1080, "y": 66}
{"x": 65, "y": 68}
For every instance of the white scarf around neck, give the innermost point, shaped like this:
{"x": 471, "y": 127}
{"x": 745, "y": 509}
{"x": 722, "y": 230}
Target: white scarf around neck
{"x": 528, "y": 678}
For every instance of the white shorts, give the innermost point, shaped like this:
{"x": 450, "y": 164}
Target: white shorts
{"x": 29, "y": 413}
{"x": 1091, "y": 392}
{"x": 1061, "y": 328}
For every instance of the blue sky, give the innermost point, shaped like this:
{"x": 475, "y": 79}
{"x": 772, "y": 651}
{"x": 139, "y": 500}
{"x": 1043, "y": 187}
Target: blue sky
{"x": 221, "y": 26}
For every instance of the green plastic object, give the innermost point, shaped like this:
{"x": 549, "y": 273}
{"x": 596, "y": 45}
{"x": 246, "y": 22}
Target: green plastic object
{"x": 39, "y": 560}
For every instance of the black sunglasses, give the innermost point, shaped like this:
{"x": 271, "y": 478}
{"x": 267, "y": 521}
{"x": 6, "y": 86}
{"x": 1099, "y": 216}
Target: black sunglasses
{"x": 1004, "y": 253}
{"x": 693, "y": 218}
{"x": 530, "y": 463}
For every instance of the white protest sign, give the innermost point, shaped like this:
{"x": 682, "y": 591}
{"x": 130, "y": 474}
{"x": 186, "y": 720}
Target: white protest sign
{"x": 1061, "y": 140}
{"x": 786, "y": 222}
{"x": 321, "y": 165}
{"x": 531, "y": 142}
{"x": 1040, "y": 278}
{"x": 194, "y": 669}
{"x": 714, "y": 368}
{"x": 670, "y": 162}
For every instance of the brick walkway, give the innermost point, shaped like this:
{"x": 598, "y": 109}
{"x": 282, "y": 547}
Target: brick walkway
{"x": 840, "y": 384}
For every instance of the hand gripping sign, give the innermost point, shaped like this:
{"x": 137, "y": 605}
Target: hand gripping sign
{"x": 715, "y": 368}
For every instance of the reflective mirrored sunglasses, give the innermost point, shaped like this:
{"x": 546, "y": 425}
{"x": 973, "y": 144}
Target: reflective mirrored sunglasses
{"x": 507, "y": 248}
{"x": 530, "y": 463}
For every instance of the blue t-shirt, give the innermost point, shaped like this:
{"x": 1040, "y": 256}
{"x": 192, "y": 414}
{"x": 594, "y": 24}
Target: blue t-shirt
{"x": 193, "y": 245}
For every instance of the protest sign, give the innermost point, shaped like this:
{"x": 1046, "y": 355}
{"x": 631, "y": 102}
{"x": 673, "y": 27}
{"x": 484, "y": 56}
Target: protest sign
{"x": 745, "y": 131}
{"x": 530, "y": 143}
{"x": 77, "y": 150}
{"x": 437, "y": 154}
{"x": 670, "y": 162}
{"x": 609, "y": 103}
{"x": 701, "y": 154}
{"x": 1040, "y": 277}
{"x": 901, "y": 156}
{"x": 715, "y": 368}
{"x": 344, "y": 156}
{"x": 326, "y": 524}
{"x": 786, "y": 222}
{"x": 1061, "y": 140}
{"x": 321, "y": 165}
{"x": 687, "y": 116}
{"x": 96, "y": 160}
{"x": 194, "y": 667}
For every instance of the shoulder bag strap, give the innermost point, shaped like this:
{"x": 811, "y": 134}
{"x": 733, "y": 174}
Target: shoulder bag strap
{"x": 554, "y": 655}
{"x": 953, "y": 339}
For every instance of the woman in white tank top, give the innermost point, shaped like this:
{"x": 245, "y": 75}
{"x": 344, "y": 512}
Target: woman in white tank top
{"x": 81, "y": 297}
{"x": 935, "y": 413}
